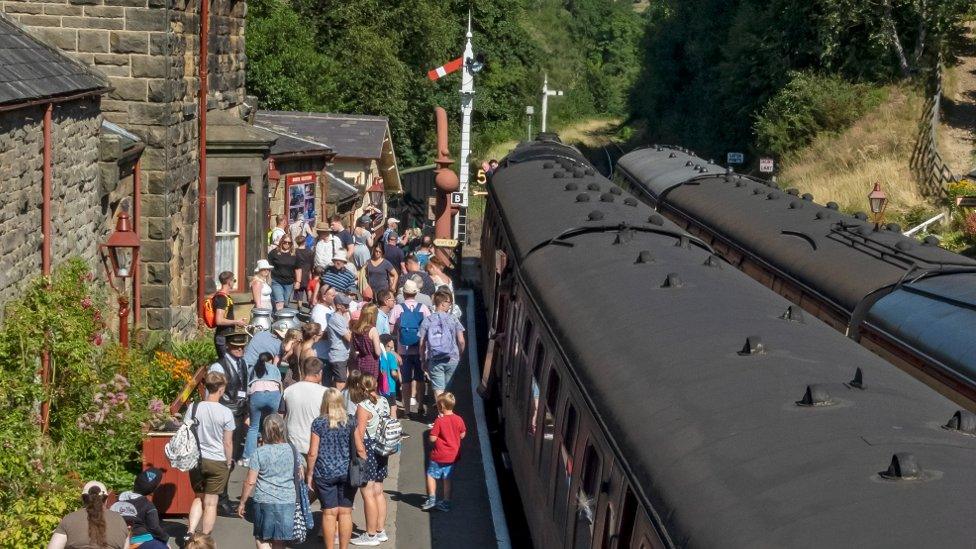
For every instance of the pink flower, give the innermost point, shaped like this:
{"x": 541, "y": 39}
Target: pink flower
{"x": 97, "y": 340}
{"x": 89, "y": 276}
{"x": 156, "y": 406}
{"x": 86, "y": 303}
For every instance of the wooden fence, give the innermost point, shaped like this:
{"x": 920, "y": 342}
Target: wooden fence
{"x": 930, "y": 171}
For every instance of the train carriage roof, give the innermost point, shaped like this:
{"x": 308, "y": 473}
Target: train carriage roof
{"x": 657, "y": 334}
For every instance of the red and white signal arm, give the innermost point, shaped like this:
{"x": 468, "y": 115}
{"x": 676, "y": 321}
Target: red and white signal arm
{"x": 445, "y": 69}
{"x": 767, "y": 165}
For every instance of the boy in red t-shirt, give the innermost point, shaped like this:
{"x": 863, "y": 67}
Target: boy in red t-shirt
{"x": 446, "y": 437}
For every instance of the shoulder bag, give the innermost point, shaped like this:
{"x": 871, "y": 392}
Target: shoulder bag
{"x": 303, "y": 512}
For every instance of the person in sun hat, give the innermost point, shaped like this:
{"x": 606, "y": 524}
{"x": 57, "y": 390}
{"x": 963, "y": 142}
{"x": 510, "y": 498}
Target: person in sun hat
{"x": 337, "y": 275}
{"x": 93, "y": 525}
{"x": 391, "y": 229}
{"x": 261, "y": 284}
{"x": 326, "y": 245}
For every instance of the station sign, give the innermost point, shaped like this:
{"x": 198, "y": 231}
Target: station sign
{"x": 767, "y": 165}
{"x": 445, "y": 243}
{"x": 735, "y": 158}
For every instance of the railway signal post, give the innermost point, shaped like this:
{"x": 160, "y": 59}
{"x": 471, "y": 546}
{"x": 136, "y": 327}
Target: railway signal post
{"x": 546, "y": 94}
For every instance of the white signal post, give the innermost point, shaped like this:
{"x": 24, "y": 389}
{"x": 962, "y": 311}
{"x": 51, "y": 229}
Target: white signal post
{"x": 467, "y": 105}
{"x": 546, "y": 94}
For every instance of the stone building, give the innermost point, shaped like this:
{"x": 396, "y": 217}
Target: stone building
{"x": 147, "y": 51}
{"x": 47, "y": 98}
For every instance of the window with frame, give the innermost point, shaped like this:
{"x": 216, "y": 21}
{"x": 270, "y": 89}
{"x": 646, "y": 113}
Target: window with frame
{"x": 587, "y": 498}
{"x": 228, "y": 253}
{"x": 547, "y": 418}
{"x": 567, "y": 442}
{"x": 534, "y": 388}
{"x": 628, "y": 518}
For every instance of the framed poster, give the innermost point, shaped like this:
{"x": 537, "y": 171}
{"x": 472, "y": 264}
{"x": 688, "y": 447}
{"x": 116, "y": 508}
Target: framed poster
{"x": 300, "y": 196}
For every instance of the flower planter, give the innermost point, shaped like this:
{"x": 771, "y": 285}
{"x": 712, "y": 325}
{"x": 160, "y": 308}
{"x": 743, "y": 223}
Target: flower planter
{"x": 174, "y": 495}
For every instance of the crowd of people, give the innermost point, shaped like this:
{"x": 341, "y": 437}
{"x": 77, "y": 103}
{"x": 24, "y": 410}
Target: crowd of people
{"x": 316, "y": 410}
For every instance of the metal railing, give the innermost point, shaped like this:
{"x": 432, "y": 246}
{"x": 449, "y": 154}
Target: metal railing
{"x": 930, "y": 170}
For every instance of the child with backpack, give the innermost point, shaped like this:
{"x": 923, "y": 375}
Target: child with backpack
{"x": 445, "y": 436}
{"x": 441, "y": 343}
{"x": 145, "y": 530}
{"x": 406, "y": 319}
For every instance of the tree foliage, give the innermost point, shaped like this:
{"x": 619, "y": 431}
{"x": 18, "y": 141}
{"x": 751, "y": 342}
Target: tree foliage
{"x": 711, "y": 67}
{"x": 372, "y": 56}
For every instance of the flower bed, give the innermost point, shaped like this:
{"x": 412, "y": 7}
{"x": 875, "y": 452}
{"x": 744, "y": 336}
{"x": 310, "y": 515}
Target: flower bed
{"x": 103, "y": 400}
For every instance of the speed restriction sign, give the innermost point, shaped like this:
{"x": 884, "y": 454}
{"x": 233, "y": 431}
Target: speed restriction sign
{"x": 766, "y": 165}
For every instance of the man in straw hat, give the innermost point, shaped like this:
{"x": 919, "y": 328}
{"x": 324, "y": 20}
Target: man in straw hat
{"x": 326, "y": 245}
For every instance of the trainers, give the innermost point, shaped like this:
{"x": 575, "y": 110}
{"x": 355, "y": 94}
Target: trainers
{"x": 365, "y": 539}
{"x": 443, "y": 505}
{"x": 381, "y": 536}
{"x": 429, "y": 504}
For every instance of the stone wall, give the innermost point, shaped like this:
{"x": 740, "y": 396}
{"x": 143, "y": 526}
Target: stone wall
{"x": 77, "y": 218}
{"x": 148, "y": 51}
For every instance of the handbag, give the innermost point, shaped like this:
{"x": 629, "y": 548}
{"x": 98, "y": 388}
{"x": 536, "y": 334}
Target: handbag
{"x": 303, "y": 512}
{"x": 356, "y": 463}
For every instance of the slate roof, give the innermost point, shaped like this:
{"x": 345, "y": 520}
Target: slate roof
{"x": 30, "y": 69}
{"x": 348, "y": 135}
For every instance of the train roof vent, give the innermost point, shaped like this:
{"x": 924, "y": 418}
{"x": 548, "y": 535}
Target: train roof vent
{"x": 753, "y": 346}
{"x": 865, "y": 230}
{"x": 931, "y": 240}
{"x": 572, "y": 187}
{"x": 645, "y": 257}
{"x": 703, "y": 169}
{"x": 905, "y": 245}
{"x": 963, "y": 421}
{"x": 624, "y": 235}
{"x": 823, "y": 215}
{"x": 582, "y": 197}
{"x": 740, "y": 183}
{"x": 548, "y": 165}
{"x": 793, "y": 313}
{"x": 807, "y": 196}
{"x": 861, "y": 215}
{"x": 655, "y": 219}
{"x": 589, "y": 171}
{"x": 757, "y": 191}
{"x": 672, "y": 281}
{"x": 815, "y": 395}
{"x": 578, "y": 173}
{"x": 630, "y": 201}
{"x": 616, "y": 190}
{"x": 558, "y": 175}
{"x": 682, "y": 242}
{"x": 606, "y": 197}
{"x": 593, "y": 187}
{"x": 903, "y": 466}
{"x": 595, "y": 215}
{"x": 772, "y": 196}
{"x": 689, "y": 164}
{"x": 832, "y": 206}
{"x": 796, "y": 205}
{"x": 713, "y": 261}
{"x": 894, "y": 227}
{"x": 858, "y": 381}
{"x": 672, "y": 155}
{"x": 793, "y": 192}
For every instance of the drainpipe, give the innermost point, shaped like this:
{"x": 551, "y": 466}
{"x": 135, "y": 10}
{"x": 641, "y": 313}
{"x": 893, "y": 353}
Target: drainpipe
{"x": 46, "y": 255}
{"x": 137, "y": 269}
{"x": 202, "y": 154}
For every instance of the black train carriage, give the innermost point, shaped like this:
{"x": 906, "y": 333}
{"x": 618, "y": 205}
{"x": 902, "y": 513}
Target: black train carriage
{"x": 912, "y": 303}
{"x": 653, "y": 396}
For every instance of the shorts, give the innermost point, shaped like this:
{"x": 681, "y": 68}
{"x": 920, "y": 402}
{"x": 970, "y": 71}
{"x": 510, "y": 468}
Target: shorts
{"x": 439, "y": 470}
{"x": 336, "y": 372}
{"x": 411, "y": 369}
{"x": 441, "y": 373}
{"x": 281, "y": 292}
{"x": 209, "y": 477}
{"x": 273, "y": 521}
{"x": 335, "y": 492}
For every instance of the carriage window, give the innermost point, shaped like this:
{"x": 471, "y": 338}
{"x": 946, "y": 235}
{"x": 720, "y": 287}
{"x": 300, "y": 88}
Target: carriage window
{"x": 586, "y": 500}
{"x": 566, "y": 447}
{"x": 548, "y": 423}
{"x": 533, "y": 391}
{"x": 606, "y": 541}
{"x": 628, "y": 515}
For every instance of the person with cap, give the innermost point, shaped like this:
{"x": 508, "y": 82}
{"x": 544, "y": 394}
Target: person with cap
{"x": 406, "y": 319}
{"x": 391, "y": 230}
{"x": 326, "y": 245}
{"x": 340, "y": 337}
{"x": 337, "y": 275}
{"x": 261, "y": 285}
{"x": 235, "y": 373}
{"x": 93, "y": 525}
{"x": 216, "y": 426}
{"x": 263, "y": 399}
{"x": 362, "y": 241}
{"x": 393, "y": 253}
{"x": 265, "y": 341}
{"x": 145, "y": 530}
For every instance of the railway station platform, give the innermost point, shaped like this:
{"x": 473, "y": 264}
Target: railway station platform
{"x": 476, "y": 519}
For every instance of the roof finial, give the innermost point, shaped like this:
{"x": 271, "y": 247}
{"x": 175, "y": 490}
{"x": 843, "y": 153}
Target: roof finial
{"x": 469, "y": 24}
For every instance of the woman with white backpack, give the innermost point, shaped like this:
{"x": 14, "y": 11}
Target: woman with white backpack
{"x": 372, "y": 416}
{"x": 441, "y": 343}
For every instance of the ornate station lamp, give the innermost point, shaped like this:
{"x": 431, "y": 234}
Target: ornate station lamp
{"x": 122, "y": 250}
{"x": 879, "y": 201}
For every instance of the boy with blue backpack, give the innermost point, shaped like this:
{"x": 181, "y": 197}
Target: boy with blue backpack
{"x": 406, "y": 319}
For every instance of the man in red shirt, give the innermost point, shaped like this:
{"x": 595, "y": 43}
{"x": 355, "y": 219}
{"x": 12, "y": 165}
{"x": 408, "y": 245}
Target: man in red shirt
{"x": 446, "y": 438}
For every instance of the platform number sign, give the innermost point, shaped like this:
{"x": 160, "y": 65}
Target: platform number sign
{"x": 457, "y": 199}
{"x": 735, "y": 158}
{"x": 766, "y": 165}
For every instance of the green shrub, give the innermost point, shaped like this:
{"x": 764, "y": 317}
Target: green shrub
{"x": 808, "y": 105}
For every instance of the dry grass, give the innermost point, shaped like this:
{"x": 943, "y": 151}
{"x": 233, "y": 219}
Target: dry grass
{"x": 590, "y": 132}
{"x": 844, "y": 168}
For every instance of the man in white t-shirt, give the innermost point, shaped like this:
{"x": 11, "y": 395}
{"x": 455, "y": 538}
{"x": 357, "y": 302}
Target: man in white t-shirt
{"x": 215, "y": 432}
{"x": 303, "y": 402}
{"x": 326, "y": 245}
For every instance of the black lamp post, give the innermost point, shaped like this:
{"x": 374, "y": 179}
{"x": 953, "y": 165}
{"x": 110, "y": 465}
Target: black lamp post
{"x": 879, "y": 201}
{"x": 123, "y": 253}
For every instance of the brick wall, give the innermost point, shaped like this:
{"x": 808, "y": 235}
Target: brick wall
{"x": 148, "y": 51}
{"x": 77, "y": 218}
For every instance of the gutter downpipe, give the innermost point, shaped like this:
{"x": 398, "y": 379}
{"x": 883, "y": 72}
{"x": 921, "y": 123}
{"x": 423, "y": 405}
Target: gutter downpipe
{"x": 202, "y": 154}
{"x": 136, "y": 212}
{"x": 46, "y": 256}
